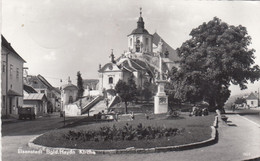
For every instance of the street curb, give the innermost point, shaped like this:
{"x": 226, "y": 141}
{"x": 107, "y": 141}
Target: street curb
{"x": 207, "y": 142}
{"x": 215, "y": 124}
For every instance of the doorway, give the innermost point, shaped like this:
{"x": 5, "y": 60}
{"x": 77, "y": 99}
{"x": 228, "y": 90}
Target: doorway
{"x": 10, "y": 105}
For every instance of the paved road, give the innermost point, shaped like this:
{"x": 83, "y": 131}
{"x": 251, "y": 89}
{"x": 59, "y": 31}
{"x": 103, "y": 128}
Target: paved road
{"x": 38, "y": 126}
{"x": 237, "y": 141}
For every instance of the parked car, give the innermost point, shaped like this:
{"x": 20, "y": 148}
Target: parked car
{"x": 26, "y": 112}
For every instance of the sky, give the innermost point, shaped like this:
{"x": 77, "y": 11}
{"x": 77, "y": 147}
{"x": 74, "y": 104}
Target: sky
{"x": 58, "y": 38}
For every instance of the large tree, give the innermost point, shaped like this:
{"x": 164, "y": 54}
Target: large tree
{"x": 216, "y": 56}
{"x": 80, "y": 85}
{"x": 126, "y": 90}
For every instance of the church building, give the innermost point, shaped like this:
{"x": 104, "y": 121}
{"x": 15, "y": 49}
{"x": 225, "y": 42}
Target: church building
{"x": 141, "y": 60}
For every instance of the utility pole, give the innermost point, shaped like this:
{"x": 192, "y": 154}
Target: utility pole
{"x": 258, "y": 98}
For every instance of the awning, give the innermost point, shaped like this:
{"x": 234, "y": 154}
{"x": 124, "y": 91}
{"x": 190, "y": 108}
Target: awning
{"x": 35, "y": 96}
{"x": 13, "y": 93}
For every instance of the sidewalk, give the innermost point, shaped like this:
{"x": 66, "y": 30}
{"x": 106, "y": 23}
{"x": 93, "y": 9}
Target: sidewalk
{"x": 238, "y": 140}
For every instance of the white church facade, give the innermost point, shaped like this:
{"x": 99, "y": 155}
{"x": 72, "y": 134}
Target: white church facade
{"x": 141, "y": 60}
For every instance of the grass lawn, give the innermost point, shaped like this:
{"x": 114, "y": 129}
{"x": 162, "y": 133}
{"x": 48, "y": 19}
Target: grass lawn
{"x": 194, "y": 129}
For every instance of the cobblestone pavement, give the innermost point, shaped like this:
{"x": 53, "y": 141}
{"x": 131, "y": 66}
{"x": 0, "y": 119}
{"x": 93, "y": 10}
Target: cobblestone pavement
{"x": 238, "y": 140}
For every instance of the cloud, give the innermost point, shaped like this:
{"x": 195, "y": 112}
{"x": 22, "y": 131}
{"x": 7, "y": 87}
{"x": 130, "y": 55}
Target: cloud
{"x": 51, "y": 56}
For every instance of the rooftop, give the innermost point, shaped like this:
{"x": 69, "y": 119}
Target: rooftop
{"x": 252, "y": 96}
{"x": 35, "y": 96}
{"x": 6, "y": 44}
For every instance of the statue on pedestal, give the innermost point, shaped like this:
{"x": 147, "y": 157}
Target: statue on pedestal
{"x": 160, "y": 99}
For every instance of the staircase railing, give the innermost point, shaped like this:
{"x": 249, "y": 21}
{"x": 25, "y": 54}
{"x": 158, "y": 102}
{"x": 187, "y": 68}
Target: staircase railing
{"x": 91, "y": 104}
{"x": 115, "y": 100}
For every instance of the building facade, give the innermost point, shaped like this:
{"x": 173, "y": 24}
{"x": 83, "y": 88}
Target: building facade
{"x": 41, "y": 85}
{"x": 252, "y": 100}
{"x": 38, "y": 101}
{"x": 11, "y": 79}
{"x": 141, "y": 60}
{"x": 68, "y": 94}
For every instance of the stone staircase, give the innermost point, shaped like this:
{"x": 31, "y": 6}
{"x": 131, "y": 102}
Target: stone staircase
{"x": 91, "y": 104}
{"x": 101, "y": 105}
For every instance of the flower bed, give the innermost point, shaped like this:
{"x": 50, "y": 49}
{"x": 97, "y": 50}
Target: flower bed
{"x": 157, "y": 132}
{"x": 128, "y": 132}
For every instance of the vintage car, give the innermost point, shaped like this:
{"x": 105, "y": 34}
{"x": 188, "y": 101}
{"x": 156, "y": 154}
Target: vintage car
{"x": 26, "y": 112}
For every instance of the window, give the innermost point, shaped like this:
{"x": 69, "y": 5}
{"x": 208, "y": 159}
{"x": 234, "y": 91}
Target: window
{"x": 146, "y": 41}
{"x": 131, "y": 41}
{"x": 110, "y": 80}
{"x": 3, "y": 101}
{"x": 42, "y": 91}
{"x": 17, "y": 102}
{"x": 137, "y": 47}
{"x": 252, "y": 102}
{"x": 70, "y": 99}
{"x": 3, "y": 67}
{"x": 17, "y": 73}
{"x": 11, "y": 71}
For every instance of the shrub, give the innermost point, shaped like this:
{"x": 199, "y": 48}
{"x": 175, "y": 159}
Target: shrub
{"x": 126, "y": 133}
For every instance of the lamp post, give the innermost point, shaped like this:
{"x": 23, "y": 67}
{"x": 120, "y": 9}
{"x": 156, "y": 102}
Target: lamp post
{"x": 258, "y": 98}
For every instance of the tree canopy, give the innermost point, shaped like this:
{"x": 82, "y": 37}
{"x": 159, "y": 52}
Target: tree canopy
{"x": 240, "y": 100}
{"x": 216, "y": 56}
{"x": 126, "y": 90}
{"x": 80, "y": 85}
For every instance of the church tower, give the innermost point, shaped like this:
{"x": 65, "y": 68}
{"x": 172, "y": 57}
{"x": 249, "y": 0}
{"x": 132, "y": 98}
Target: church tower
{"x": 140, "y": 41}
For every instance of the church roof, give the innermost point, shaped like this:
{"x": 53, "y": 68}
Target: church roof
{"x": 125, "y": 65}
{"x": 69, "y": 85}
{"x": 136, "y": 65}
{"x": 108, "y": 65}
{"x": 139, "y": 31}
{"x": 173, "y": 56}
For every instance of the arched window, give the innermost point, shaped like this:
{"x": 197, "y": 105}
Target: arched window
{"x": 138, "y": 45}
{"x": 146, "y": 41}
{"x": 110, "y": 80}
{"x": 70, "y": 99}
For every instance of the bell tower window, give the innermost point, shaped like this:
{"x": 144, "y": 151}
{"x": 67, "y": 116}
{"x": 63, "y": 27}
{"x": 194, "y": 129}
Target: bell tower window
{"x": 146, "y": 41}
{"x": 138, "y": 45}
{"x": 70, "y": 99}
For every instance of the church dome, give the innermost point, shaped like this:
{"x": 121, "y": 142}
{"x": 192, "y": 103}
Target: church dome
{"x": 140, "y": 26}
{"x": 69, "y": 86}
{"x": 140, "y": 31}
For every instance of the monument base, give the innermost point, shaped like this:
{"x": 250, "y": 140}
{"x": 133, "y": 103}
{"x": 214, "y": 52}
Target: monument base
{"x": 160, "y": 104}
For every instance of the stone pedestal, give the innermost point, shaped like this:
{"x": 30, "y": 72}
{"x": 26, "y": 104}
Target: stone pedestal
{"x": 161, "y": 99}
